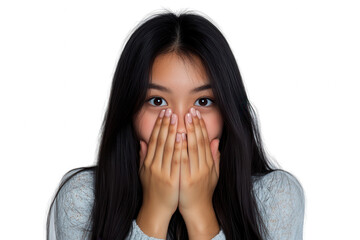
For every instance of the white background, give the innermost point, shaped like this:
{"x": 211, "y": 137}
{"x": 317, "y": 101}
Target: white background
{"x": 299, "y": 61}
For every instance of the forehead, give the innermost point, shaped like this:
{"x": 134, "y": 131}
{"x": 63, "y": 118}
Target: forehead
{"x": 176, "y": 71}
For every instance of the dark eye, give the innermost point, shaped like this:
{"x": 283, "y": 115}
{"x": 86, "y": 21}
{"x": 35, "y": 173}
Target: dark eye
{"x": 203, "y": 101}
{"x": 157, "y": 101}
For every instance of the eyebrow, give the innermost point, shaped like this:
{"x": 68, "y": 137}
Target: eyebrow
{"x": 164, "y": 89}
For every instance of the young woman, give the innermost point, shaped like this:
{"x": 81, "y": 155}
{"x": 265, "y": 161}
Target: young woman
{"x": 180, "y": 155}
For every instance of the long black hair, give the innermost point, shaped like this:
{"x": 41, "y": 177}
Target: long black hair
{"x": 118, "y": 191}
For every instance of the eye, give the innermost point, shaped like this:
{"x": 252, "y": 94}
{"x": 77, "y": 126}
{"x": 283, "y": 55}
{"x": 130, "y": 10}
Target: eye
{"x": 205, "y": 101}
{"x": 157, "y": 100}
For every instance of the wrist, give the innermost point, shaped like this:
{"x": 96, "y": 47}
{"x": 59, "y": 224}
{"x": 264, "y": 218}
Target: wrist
{"x": 153, "y": 223}
{"x": 201, "y": 223}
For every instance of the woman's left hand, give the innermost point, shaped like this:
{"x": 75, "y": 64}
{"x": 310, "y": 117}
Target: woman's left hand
{"x": 199, "y": 172}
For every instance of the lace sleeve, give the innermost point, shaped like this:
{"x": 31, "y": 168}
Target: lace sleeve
{"x": 137, "y": 234}
{"x": 219, "y": 236}
{"x": 69, "y": 216}
{"x": 70, "y": 213}
{"x": 281, "y": 202}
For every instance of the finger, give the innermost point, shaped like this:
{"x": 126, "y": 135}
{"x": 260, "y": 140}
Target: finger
{"x": 153, "y": 139}
{"x": 161, "y": 140}
{"x": 169, "y": 146}
{"x": 191, "y": 144}
{"x": 185, "y": 163}
{"x": 209, "y": 159}
{"x": 214, "y": 146}
{"x": 199, "y": 140}
{"x": 142, "y": 153}
{"x": 175, "y": 163}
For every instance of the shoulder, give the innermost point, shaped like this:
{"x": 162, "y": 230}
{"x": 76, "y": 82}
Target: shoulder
{"x": 71, "y": 209}
{"x": 76, "y": 195}
{"x": 78, "y": 181}
{"x": 79, "y": 177}
{"x": 278, "y": 183}
{"x": 281, "y": 202}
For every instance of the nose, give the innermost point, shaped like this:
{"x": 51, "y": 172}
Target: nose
{"x": 181, "y": 113}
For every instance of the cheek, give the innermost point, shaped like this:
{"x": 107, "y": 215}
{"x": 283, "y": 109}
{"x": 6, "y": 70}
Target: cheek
{"x": 144, "y": 126}
{"x": 214, "y": 126}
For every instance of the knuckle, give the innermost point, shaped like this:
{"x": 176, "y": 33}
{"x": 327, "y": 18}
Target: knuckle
{"x": 152, "y": 168}
{"x": 172, "y": 129}
{"x": 176, "y": 161}
{"x": 174, "y": 178}
{"x": 210, "y": 164}
{"x": 169, "y": 182}
{"x": 167, "y": 148}
{"x": 147, "y": 164}
{"x": 161, "y": 140}
{"x": 185, "y": 160}
{"x": 189, "y": 182}
{"x": 201, "y": 142}
{"x": 192, "y": 147}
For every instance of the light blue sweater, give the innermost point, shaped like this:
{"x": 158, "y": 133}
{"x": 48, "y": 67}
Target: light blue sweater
{"x": 279, "y": 195}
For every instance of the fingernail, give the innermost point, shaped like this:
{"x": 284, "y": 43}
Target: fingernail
{"x": 198, "y": 114}
{"x": 192, "y": 110}
{"x": 188, "y": 116}
{"x": 173, "y": 119}
{"x": 183, "y": 136}
{"x": 178, "y": 137}
{"x": 168, "y": 112}
{"x": 162, "y": 113}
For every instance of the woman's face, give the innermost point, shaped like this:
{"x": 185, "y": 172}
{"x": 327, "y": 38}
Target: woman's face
{"x": 180, "y": 77}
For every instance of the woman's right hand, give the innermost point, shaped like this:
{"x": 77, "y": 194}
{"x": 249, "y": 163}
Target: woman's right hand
{"x": 160, "y": 166}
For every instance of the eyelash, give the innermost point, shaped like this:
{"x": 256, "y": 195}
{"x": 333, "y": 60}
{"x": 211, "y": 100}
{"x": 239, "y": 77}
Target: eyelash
{"x": 213, "y": 102}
